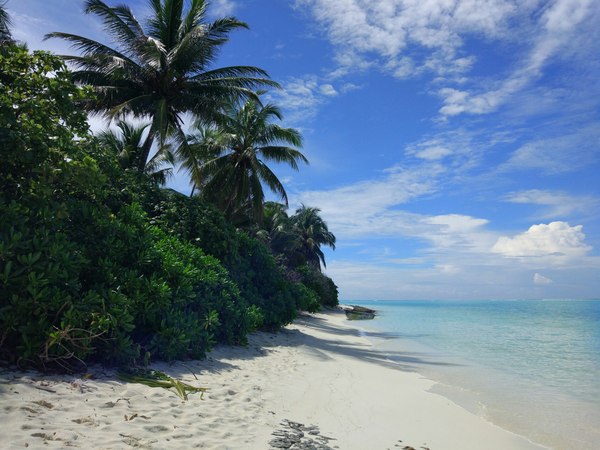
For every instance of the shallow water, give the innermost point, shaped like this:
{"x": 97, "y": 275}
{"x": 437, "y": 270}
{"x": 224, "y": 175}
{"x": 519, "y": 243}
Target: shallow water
{"x": 532, "y": 367}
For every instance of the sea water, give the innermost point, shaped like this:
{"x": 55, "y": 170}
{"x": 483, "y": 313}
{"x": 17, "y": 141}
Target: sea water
{"x": 531, "y": 367}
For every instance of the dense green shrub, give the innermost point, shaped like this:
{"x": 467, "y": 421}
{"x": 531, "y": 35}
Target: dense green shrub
{"x": 178, "y": 300}
{"x": 248, "y": 261}
{"x": 306, "y": 298}
{"x": 40, "y": 264}
{"x": 39, "y": 282}
{"x": 84, "y": 275}
{"x": 262, "y": 283}
{"x": 97, "y": 263}
{"x": 321, "y": 284}
{"x": 194, "y": 220}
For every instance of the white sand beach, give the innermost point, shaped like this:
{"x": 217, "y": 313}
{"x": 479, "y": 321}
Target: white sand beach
{"x": 319, "y": 372}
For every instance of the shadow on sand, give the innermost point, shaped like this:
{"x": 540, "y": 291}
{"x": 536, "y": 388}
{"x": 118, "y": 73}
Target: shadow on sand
{"x": 323, "y": 347}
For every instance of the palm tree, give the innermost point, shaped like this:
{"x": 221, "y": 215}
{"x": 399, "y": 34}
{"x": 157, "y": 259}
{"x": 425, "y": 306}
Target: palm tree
{"x": 207, "y": 143}
{"x": 278, "y": 232}
{"x": 5, "y": 23}
{"x": 233, "y": 154}
{"x": 313, "y": 233}
{"x": 160, "y": 71}
{"x": 127, "y": 144}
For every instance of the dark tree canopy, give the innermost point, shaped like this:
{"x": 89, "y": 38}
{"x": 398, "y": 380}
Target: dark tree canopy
{"x": 162, "y": 68}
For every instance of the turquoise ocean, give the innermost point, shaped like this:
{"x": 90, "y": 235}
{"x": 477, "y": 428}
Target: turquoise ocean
{"x": 531, "y": 367}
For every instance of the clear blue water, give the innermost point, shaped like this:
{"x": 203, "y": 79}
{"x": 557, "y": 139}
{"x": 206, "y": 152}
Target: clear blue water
{"x": 532, "y": 367}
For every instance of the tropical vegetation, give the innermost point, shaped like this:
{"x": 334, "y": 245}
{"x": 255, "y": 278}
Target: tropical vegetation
{"x": 98, "y": 261}
{"x": 5, "y": 34}
{"x": 162, "y": 70}
{"x": 228, "y": 158}
{"x": 127, "y": 142}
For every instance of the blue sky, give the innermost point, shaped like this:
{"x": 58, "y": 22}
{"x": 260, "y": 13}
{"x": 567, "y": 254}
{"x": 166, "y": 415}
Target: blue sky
{"x": 454, "y": 144}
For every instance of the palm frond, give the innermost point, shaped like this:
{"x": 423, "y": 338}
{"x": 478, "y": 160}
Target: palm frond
{"x": 286, "y": 155}
{"x": 89, "y": 47}
{"x": 272, "y": 181}
{"x": 119, "y": 21}
{"x": 163, "y": 68}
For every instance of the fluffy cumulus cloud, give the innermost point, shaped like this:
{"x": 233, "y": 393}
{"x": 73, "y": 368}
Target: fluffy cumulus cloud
{"x": 556, "y": 239}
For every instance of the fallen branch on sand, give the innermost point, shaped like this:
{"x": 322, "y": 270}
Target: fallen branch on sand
{"x": 154, "y": 378}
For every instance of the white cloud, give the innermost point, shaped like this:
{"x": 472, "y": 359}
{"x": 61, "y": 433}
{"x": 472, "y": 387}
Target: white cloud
{"x": 328, "y": 90}
{"x": 302, "y": 96}
{"x": 368, "y": 206}
{"x": 409, "y": 38}
{"x": 541, "y": 279}
{"x": 349, "y": 87}
{"x": 454, "y": 234}
{"x": 222, "y": 8}
{"x": 33, "y": 19}
{"x": 558, "y": 27}
{"x": 363, "y": 280}
{"x": 393, "y": 34}
{"x": 359, "y": 281}
{"x": 557, "y": 204}
{"x": 458, "y": 102}
{"x": 434, "y": 152}
{"x": 459, "y": 149}
{"x": 457, "y": 222}
{"x": 557, "y": 154}
{"x": 379, "y": 208}
{"x": 557, "y": 240}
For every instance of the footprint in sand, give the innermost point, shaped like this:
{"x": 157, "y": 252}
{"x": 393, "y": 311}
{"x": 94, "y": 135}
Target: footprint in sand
{"x": 157, "y": 429}
{"x": 85, "y": 421}
{"x": 44, "y": 403}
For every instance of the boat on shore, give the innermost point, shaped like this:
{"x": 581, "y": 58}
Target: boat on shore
{"x": 355, "y": 312}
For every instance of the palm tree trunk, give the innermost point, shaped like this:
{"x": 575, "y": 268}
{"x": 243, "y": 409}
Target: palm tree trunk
{"x": 193, "y": 189}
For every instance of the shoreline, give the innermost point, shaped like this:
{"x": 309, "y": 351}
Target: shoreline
{"x": 320, "y": 371}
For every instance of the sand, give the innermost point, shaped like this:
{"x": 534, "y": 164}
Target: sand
{"x": 319, "y": 372}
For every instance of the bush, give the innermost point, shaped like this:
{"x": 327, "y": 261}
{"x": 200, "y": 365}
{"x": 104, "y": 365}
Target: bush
{"x": 307, "y": 299}
{"x": 97, "y": 263}
{"x": 248, "y": 261}
{"x": 323, "y": 286}
{"x": 84, "y": 275}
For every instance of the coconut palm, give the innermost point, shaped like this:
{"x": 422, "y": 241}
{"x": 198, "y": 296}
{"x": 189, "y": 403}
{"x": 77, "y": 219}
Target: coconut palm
{"x": 127, "y": 144}
{"x": 278, "y": 232}
{"x": 207, "y": 143}
{"x": 161, "y": 70}
{"x": 314, "y": 233}
{"x": 5, "y": 23}
{"x": 233, "y": 155}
